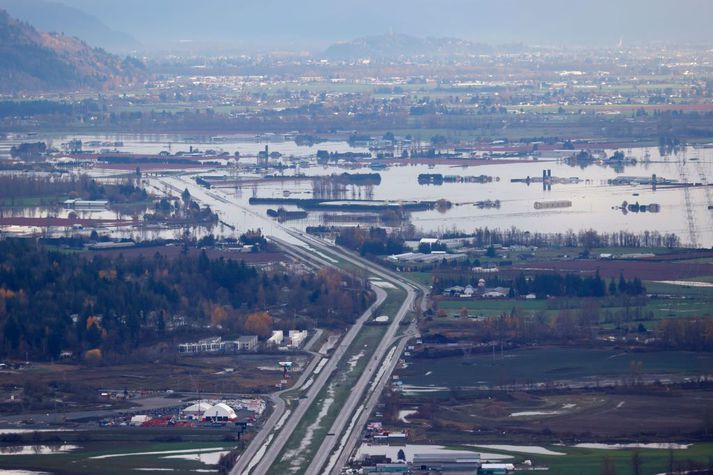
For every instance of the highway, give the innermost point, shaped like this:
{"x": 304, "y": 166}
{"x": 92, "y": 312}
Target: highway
{"x": 308, "y": 399}
{"x": 358, "y": 407}
{"x": 266, "y": 446}
{"x": 258, "y": 442}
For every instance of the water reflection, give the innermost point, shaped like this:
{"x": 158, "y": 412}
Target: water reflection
{"x": 41, "y": 449}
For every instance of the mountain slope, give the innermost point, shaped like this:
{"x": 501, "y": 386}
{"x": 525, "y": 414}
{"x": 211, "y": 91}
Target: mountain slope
{"x": 400, "y": 46}
{"x": 52, "y": 16}
{"x": 32, "y": 60}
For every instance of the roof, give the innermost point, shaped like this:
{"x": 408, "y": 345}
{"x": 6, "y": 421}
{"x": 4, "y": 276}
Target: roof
{"x": 198, "y": 407}
{"x": 221, "y": 410}
{"x": 463, "y": 457}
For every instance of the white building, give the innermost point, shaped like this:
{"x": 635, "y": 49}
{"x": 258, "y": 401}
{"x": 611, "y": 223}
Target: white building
{"x": 221, "y": 412}
{"x": 276, "y": 338}
{"x": 297, "y": 338}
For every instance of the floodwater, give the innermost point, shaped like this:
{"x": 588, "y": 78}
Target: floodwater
{"x": 594, "y": 201}
{"x": 36, "y": 449}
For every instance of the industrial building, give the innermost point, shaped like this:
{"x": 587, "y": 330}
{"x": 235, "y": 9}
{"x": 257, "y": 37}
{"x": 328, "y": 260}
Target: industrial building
{"x": 217, "y": 345}
{"x": 297, "y": 338}
{"x": 454, "y": 462}
{"x": 247, "y": 343}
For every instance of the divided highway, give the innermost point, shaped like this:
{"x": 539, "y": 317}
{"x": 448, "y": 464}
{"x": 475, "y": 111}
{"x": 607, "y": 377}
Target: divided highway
{"x": 268, "y": 443}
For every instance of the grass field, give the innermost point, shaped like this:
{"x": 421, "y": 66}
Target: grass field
{"x": 82, "y": 461}
{"x": 526, "y": 366}
{"x": 590, "y": 461}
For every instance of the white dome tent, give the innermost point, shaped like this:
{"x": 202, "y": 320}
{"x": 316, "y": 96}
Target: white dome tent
{"x": 196, "y": 411}
{"x": 221, "y": 412}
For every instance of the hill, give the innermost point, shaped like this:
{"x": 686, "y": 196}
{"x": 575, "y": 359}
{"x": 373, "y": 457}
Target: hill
{"x": 399, "y": 46}
{"x": 52, "y": 16}
{"x": 32, "y": 60}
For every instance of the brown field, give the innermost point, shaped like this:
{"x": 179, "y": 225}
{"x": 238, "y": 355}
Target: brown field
{"x": 664, "y": 413}
{"x": 643, "y": 269}
{"x": 189, "y": 374}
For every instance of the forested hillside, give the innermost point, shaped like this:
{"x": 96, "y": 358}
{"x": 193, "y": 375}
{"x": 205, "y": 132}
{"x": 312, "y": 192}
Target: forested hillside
{"x": 57, "y": 301}
{"x": 32, "y": 60}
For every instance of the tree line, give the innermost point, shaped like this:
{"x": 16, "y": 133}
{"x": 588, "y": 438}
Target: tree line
{"x": 13, "y": 186}
{"x": 589, "y": 239}
{"x": 372, "y": 241}
{"x": 53, "y": 301}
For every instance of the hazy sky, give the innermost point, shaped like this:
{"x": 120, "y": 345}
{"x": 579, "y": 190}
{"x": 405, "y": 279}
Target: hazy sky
{"x": 317, "y": 23}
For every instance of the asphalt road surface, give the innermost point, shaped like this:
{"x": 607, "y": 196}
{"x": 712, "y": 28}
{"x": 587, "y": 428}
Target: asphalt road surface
{"x": 257, "y": 459}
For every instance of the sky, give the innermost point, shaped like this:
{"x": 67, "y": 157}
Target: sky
{"x": 314, "y": 24}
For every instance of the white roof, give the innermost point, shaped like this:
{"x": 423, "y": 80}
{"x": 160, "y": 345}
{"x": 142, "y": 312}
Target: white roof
{"x": 199, "y": 407}
{"x": 221, "y": 410}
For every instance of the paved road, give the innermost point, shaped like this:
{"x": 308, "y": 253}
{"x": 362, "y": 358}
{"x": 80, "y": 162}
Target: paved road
{"x": 278, "y": 443}
{"x": 356, "y": 395}
{"x": 278, "y": 410}
{"x": 359, "y": 405}
{"x": 257, "y": 459}
{"x": 352, "y": 436}
{"x": 45, "y": 419}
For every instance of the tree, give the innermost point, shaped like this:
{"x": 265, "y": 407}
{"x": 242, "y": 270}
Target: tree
{"x": 259, "y": 323}
{"x": 186, "y": 197}
{"x": 401, "y": 455}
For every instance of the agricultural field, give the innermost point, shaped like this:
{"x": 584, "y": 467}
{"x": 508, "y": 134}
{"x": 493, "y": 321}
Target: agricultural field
{"x": 69, "y": 387}
{"x": 549, "y": 364}
{"x": 118, "y": 457}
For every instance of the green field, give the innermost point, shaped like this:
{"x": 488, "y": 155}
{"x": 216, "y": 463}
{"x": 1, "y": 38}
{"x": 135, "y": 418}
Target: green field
{"x": 82, "y": 461}
{"x": 524, "y": 366}
{"x": 582, "y": 461}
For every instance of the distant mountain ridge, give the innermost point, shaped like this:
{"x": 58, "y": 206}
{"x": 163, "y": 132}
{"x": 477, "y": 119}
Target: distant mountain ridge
{"x": 56, "y": 17}
{"x": 31, "y": 60}
{"x": 401, "y": 46}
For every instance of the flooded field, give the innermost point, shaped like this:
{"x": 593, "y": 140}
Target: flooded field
{"x": 592, "y": 201}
